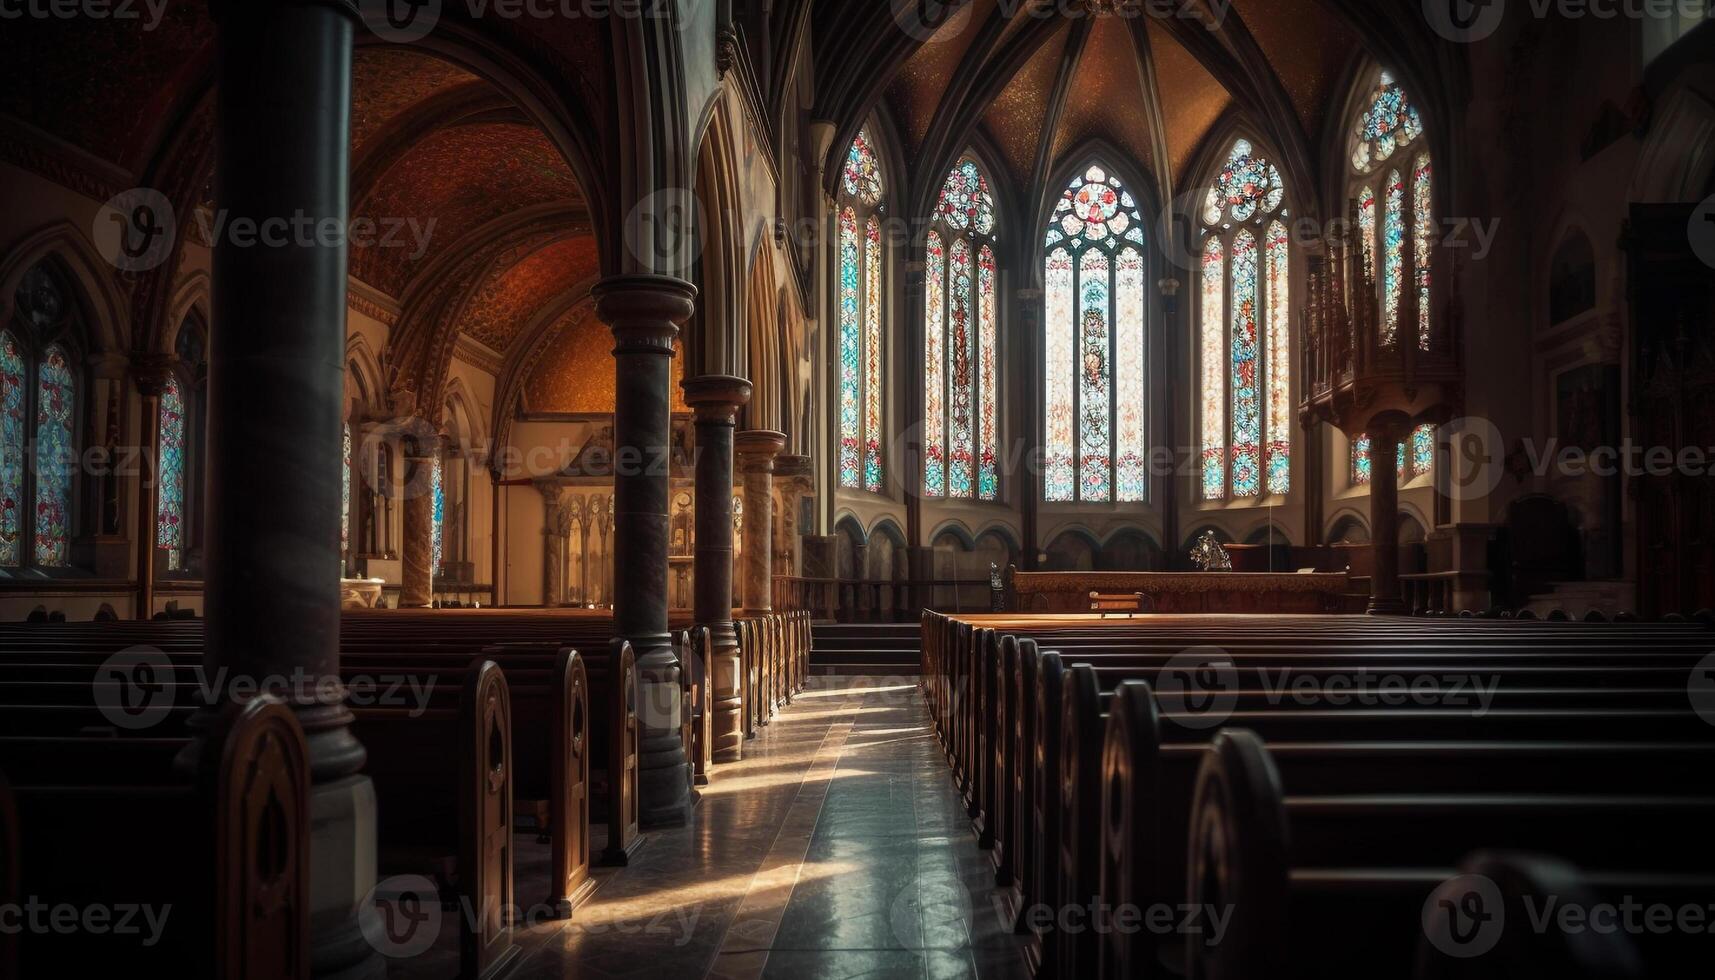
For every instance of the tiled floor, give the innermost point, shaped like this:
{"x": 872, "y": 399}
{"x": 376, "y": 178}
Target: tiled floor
{"x": 837, "y": 848}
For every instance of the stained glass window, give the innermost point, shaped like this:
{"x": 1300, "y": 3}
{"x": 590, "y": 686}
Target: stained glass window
{"x": 1396, "y": 209}
{"x": 862, "y": 176}
{"x": 1404, "y": 197}
{"x": 1388, "y": 122}
{"x": 1420, "y": 445}
{"x": 12, "y": 439}
{"x": 1214, "y": 382}
{"x": 861, "y": 326}
{"x": 1093, "y": 326}
{"x": 437, "y": 543}
{"x": 1423, "y": 241}
{"x": 56, "y": 393}
{"x": 1245, "y": 331}
{"x": 851, "y": 355}
{"x": 961, "y": 422}
{"x": 1393, "y": 256}
{"x": 170, "y": 490}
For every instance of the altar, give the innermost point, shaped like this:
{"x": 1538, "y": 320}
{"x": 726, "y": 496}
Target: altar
{"x": 1185, "y": 592}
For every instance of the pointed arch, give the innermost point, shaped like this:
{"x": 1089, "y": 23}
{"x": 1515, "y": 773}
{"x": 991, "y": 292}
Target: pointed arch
{"x": 961, "y": 333}
{"x": 1095, "y": 404}
{"x": 105, "y": 309}
{"x": 1244, "y": 326}
{"x": 863, "y": 185}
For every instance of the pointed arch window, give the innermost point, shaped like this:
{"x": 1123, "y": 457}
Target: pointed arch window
{"x": 1392, "y": 181}
{"x": 1245, "y": 330}
{"x": 861, "y": 312}
{"x": 1095, "y": 443}
{"x": 40, "y": 394}
{"x": 961, "y": 421}
{"x": 170, "y": 495}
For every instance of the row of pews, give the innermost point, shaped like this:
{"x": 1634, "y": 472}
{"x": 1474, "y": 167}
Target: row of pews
{"x": 1227, "y": 797}
{"x": 124, "y": 794}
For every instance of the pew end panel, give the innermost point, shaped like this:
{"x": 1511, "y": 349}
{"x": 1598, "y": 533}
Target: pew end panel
{"x": 485, "y": 822}
{"x": 569, "y": 807}
{"x": 624, "y": 828}
{"x": 1131, "y": 800}
{"x": 1237, "y": 858}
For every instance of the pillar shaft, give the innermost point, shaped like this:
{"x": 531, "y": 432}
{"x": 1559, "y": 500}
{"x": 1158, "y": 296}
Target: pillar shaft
{"x": 416, "y": 551}
{"x": 716, "y": 400}
{"x": 756, "y": 451}
{"x": 1384, "y": 518}
{"x": 645, "y": 312}
{"x": 276, "y": 395}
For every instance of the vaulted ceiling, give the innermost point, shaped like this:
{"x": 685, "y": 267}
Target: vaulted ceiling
{"x": 1036, "y": 80}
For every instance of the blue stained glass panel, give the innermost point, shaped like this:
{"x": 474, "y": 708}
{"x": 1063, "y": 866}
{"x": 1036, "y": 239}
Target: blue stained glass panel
{"x": 170, "y": 493}
{"x": 56, "y": 403}
{"x": 1246, "y": 406}
{"x": 12, "y": 441}
{"x": 851, "y": 356}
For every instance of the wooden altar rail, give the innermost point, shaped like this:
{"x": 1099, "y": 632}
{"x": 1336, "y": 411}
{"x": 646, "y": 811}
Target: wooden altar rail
{"x": 878, "y": 600}
{"x": 1183, "y": 592}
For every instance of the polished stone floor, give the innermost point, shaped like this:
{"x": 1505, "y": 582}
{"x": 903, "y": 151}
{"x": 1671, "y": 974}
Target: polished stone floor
{"x": 837, "y": 848}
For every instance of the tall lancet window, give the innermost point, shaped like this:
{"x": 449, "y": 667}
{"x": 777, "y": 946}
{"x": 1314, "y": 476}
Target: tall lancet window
{"x": 1392, "y": 181}
{"x": 862, "y": 315}
{"x": 1245, "y": 331}
{"x": 960, "y": 412}
{"x": 1096, "y": 442}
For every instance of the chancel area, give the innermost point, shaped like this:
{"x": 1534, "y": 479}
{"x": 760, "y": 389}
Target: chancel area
{"x": 1043, "y": 489}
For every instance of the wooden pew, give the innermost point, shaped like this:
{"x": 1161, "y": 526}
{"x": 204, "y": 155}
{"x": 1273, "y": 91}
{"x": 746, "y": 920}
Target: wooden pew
{"x": 1286, "y": 865}
{"x": 451, "y": 824}
{"x": 224, "y": 852}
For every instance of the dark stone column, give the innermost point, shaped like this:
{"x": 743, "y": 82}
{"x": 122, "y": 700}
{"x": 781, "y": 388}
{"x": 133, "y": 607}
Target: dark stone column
{"x": 276, "y": 395}
{"x": 756, "y": 451}
{"x": 1385, "y": 433}
{"x": 645, "y": 312}
{"x": 553, "y": 558}
{"x": 716, "y": 399}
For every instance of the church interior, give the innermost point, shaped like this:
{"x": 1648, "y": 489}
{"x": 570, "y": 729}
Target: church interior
{"x": 1207, "y": 489}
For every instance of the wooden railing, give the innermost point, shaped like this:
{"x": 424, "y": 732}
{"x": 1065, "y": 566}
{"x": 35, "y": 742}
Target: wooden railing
{"x": 878, "y": 600}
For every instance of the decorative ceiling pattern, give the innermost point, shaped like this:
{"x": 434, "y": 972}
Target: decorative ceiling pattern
{"x": 461, "y": 178}
{"x": 387, "y": 81}
{"x": 1308, "y": 53}
{"x": 517, "y": 287}
{"x": 575, "y": 372}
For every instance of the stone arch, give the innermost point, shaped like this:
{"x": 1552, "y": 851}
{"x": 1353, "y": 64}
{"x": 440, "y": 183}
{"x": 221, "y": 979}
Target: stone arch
{"x": 107, "y": 313}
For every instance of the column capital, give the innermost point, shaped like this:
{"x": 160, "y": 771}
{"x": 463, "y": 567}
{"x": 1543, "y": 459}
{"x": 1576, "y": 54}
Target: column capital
{"x": 644, "y": 311}
{"x": 716, "y": 397}
{"x": 757, "y": 448}
{"x": 149, "y": 372}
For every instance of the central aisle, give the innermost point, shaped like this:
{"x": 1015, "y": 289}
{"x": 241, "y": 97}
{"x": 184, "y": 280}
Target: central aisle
{"x": 837, "y": 848}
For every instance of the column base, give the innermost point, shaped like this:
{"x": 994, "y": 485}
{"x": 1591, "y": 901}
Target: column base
{"x": 342, "y": 879}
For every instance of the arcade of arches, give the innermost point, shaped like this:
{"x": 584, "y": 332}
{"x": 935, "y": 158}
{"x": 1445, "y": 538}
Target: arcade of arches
{"x": 741, "y": 307}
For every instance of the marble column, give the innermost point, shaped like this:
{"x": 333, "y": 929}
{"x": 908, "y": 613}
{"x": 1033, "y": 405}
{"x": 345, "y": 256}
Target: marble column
{"x": 645, "y": 312}
{"x": 416, "y": 552}
{"x": 553, "y": 558}
{"x": 1386, "y": 432}
{"x": 276, "y": 397}
{"x": 716, "y": 400}
{"x": 756, "y": 451}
